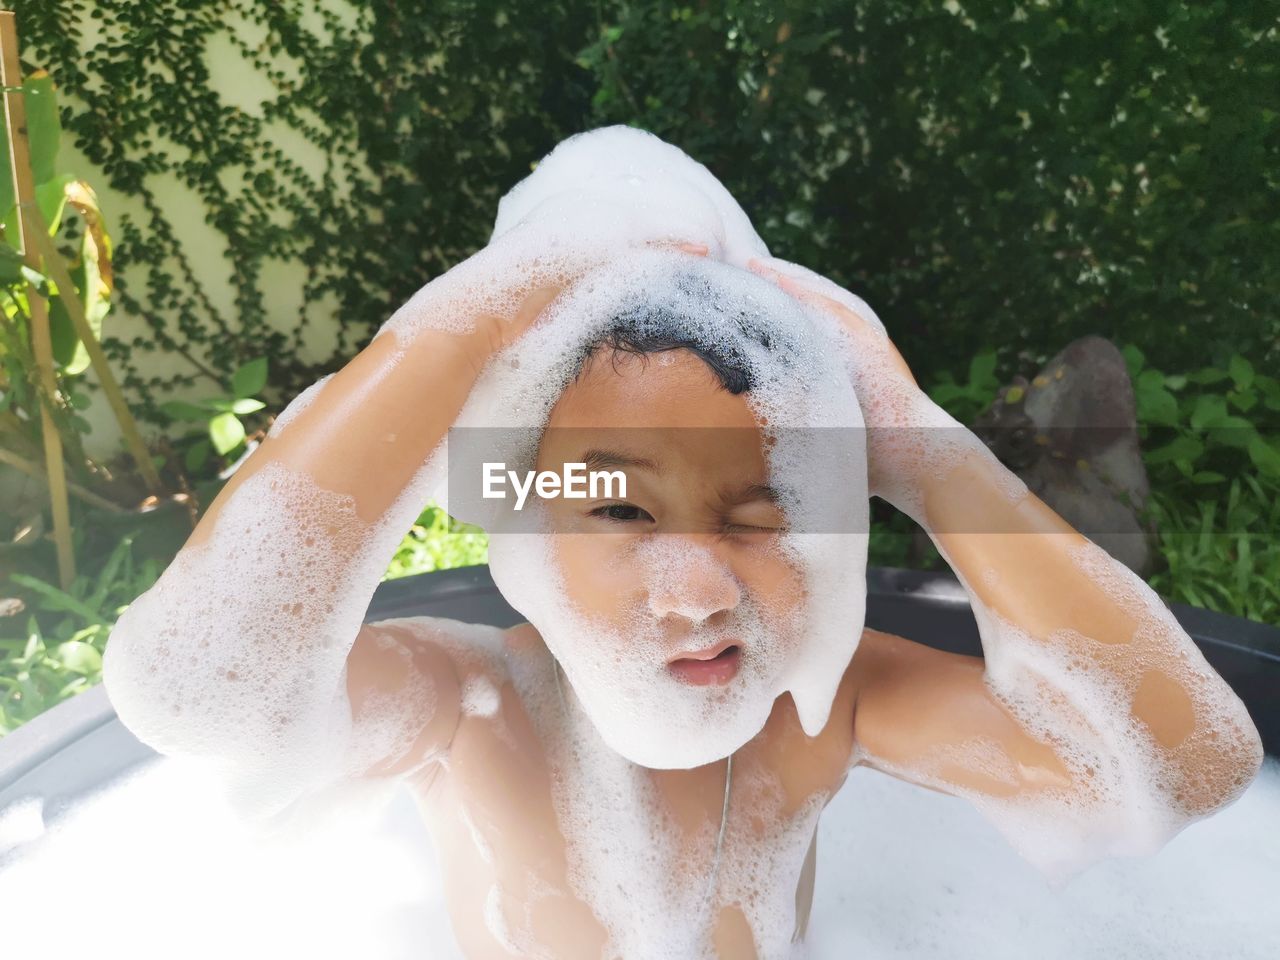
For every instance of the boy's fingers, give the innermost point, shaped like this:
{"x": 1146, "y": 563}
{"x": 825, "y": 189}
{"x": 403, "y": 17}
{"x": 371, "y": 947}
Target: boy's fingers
{"x": 852, "y": 321}
{"x": 697, "y": 249}
{"x": 801, "y": 292}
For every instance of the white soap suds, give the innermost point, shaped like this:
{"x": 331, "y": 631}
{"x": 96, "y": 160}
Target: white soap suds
{"x": 20, "y": 823}
{"x": 480, "y": 697}
{"x": 902, "y": 874}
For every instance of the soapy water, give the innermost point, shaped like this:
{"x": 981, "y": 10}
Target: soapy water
{"x": 156, "y": 866}
{"x": 249, "y": 667}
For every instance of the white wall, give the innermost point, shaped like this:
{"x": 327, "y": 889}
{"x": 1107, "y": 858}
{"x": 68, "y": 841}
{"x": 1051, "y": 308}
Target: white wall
{"x": 239, "y": 84}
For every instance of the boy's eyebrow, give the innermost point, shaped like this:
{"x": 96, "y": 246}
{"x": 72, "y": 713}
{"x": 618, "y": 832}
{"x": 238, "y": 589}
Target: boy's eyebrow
{"x": 605, "y": 459}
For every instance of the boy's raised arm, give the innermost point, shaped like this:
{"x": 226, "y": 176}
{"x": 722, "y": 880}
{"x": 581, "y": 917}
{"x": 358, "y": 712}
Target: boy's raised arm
{"x": 240, "y": 651}
{"x": 1094, "y": 714}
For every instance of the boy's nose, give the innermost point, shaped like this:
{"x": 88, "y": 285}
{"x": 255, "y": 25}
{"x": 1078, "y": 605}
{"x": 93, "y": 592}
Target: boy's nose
{"x": 690, "y": 581}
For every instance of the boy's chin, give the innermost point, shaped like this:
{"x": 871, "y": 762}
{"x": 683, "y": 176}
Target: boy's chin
{"x": 655, "y": 739}
{"x": 675, "y": 753}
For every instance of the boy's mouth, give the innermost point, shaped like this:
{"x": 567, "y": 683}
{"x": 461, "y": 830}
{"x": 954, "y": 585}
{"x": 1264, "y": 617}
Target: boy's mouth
{"x": 714, "y": 665}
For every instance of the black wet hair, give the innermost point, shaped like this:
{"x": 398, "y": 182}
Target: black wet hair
{"x": 649, "y": 328}
{"x": 619, "y": 340}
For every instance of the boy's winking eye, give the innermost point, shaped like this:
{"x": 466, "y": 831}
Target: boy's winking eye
{"x": 734, "y": 507}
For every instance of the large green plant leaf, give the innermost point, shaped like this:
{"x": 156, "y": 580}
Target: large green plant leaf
{"x": 43, "y": 127}
{"x": 43, "y": 133}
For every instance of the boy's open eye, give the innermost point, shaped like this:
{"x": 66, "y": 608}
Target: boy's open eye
{"x": 621, "y": 513}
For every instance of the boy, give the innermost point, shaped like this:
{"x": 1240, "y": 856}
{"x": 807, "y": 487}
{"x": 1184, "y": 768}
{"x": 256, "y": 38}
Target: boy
{"x": 555, "y": 844}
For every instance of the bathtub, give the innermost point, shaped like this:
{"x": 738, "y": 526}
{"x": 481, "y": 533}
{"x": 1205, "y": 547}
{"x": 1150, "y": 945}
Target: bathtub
{"x": 108, "y": 851}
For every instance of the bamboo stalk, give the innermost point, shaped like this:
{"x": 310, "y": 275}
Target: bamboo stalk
{"x": 57, "y": 269}
{"x": 41, "y": 343}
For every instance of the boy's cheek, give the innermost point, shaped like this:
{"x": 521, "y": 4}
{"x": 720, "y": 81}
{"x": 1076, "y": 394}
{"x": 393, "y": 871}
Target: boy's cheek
{"x": 597, "y": 579}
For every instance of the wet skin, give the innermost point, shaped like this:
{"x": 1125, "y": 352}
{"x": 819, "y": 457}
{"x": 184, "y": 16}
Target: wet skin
{"x": 485, "y": 783}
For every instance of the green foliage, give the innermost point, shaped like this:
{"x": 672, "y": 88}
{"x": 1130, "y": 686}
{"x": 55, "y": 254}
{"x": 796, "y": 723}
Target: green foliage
{"x": 1013, "y": 174}
{"x": 965, "y": 401}
{"x": 56, "y": 651}
{"x": 224, "y": 431}
{"x": 438, "y": 542}
{"x": 1208, "y": 427}
{"x": 1212, "y": 450}
{"x": 1222, "y": 554}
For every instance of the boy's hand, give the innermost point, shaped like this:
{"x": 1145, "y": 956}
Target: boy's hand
{"x": 900, "y": 418}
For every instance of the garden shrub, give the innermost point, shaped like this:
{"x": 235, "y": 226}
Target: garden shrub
{"x": 984, "y": 173}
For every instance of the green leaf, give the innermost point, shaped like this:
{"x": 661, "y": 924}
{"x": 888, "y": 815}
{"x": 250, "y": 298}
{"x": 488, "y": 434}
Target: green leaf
{"x": 227, "y": 432}
{"x": 79, "y": 656}
{"x": 1133, "y": 359}
{"x": 181, "y": 410}
{"x": 1244, "y": 402}
{"x": 43, "y": 131}
{"x": 1155, "y": 403}
{"x": 247, "y": 405}
{"x": 51, "y": 198}
{"x": 1209, "y": 410}
{"x": 56, "y": 599}
{"x": 1241, "y": 371}
{"x": 10, "y": 265}
{"x": 1234, "y": 432}
{"x": 197, "y": 454}
{"x": 250, "y": 378}
{"x": 43, "y": 128}
{"x": 62, "y": 332}
{"x": 1207, "y": 375}
{"x": 1264, "y": 456}
{"x": 1207, "y": 476}
{"x": 1185, "y": 447}
{"x": 982, "y": 368}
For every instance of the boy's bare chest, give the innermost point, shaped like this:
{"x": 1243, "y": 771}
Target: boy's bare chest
{"x": 552, "y": 845}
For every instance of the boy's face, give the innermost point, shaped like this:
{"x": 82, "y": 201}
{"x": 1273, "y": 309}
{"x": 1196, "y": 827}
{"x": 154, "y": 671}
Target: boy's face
{"x": 698, "y": 534}
{"x": 681, "y": 607}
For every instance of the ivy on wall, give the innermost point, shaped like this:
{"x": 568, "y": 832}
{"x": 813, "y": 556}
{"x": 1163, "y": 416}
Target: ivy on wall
{"x": 984, "y": 173}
